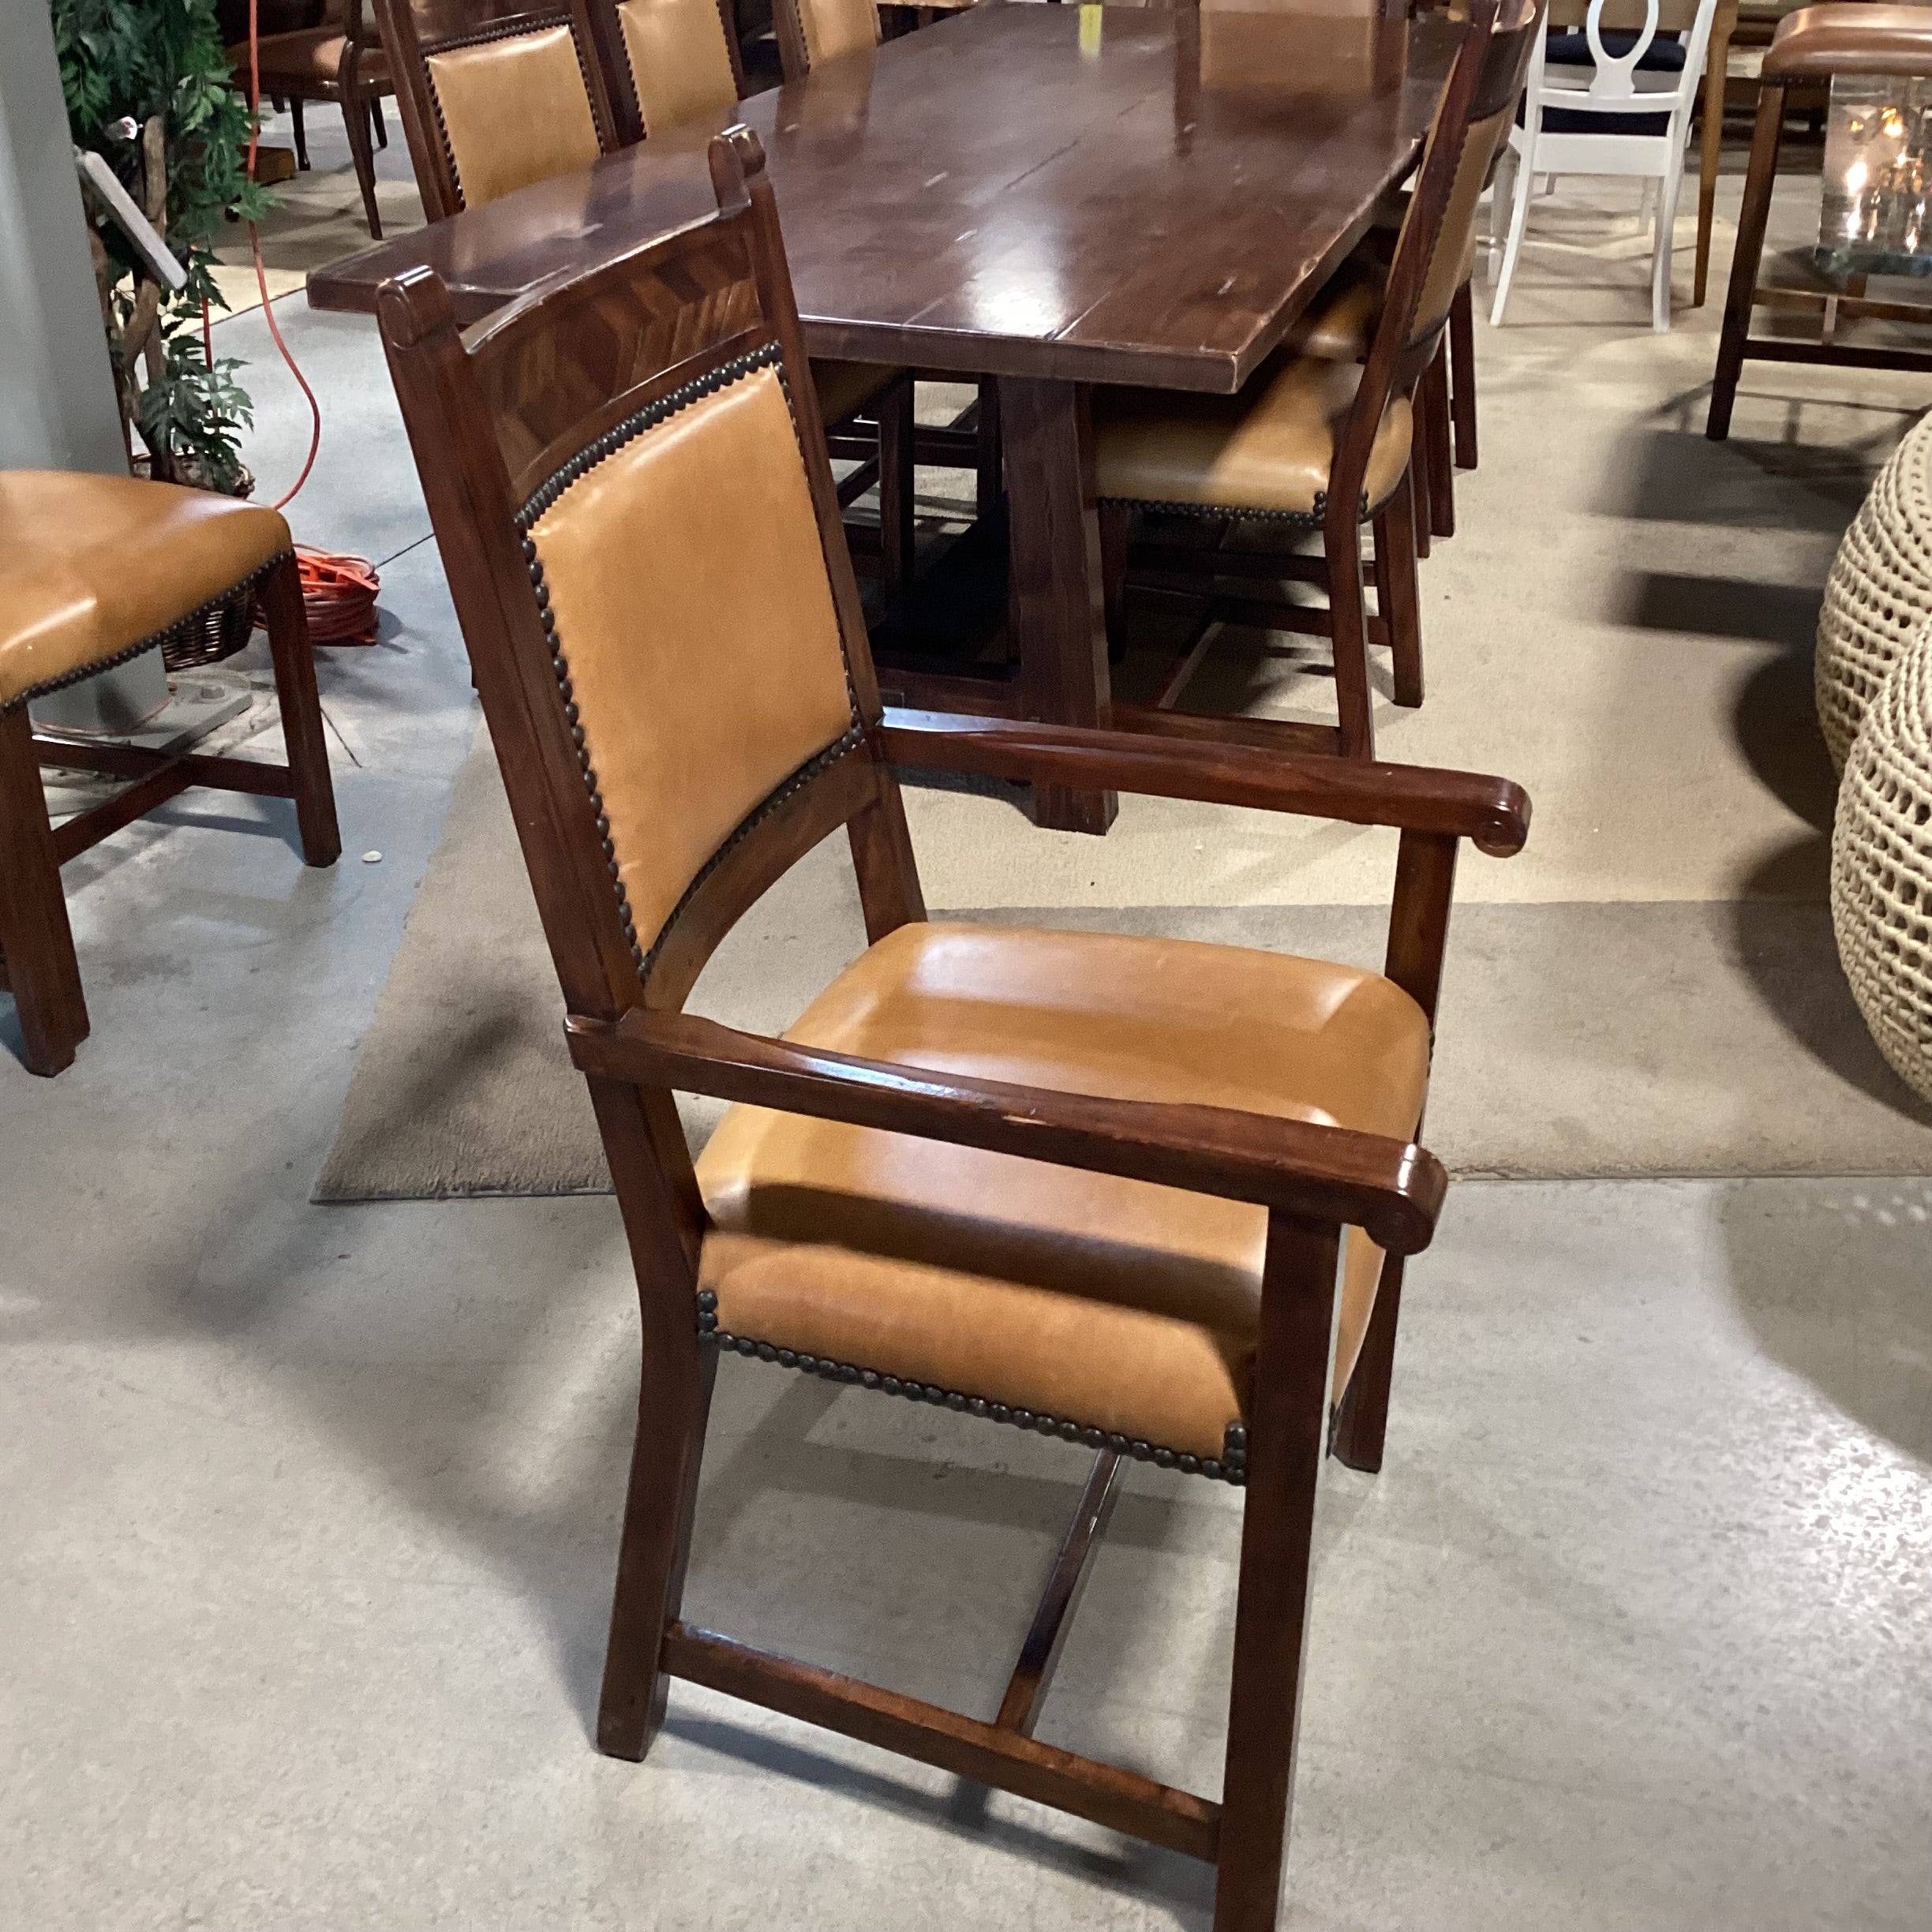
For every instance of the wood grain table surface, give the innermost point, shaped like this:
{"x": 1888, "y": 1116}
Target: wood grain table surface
{"x": 1052, "y": 196}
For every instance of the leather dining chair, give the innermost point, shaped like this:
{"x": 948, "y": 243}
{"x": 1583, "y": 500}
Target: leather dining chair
{"x": 94, "y": 571}
{"x": 1112, "y": 1190}
{"x": 1320, "y": 444}
{"x": 667, "y": 62}
{"x": 337, "y": 59}
{"x": 812, "y": 32}
{"x": 494, "y": 99}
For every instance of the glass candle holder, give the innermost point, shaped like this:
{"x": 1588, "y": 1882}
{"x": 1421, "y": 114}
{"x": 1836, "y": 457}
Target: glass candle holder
{"x": 1876, "y": 217}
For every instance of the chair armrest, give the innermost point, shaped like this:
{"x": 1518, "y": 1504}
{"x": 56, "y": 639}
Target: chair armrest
{"x": 1492, "y": 812}
{"x": 1391, "y": 1189}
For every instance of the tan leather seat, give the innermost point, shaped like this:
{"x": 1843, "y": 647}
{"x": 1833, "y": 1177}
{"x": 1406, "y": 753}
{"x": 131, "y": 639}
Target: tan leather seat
{"x": 1341, "y": 319}
{"x": 314, "y": 55}
{"x": 845, "y": 387}
{"x": 1267, "y": 450}
{"x": 1102, "y": 1303}
{"x": 1861, "y": 38}
{"x": 93, "y": 568}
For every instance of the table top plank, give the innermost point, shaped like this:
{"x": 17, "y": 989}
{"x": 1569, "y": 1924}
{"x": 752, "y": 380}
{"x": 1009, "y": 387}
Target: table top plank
{"x": 1137, "y": 196}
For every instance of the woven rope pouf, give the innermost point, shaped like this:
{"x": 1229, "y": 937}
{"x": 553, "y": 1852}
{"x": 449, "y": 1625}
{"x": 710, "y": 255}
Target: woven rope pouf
{"x": 1879, "y": 593}
{"x": 1881, "y": 867}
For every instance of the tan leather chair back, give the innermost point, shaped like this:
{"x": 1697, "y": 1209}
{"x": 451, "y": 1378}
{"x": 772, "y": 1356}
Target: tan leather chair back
{"x": 812, "y": 32}
{"x": 493, "y": 100}
{"x": 1492, "y": 113}
{"x": 677, "y": 61}
{"x": 643, "y": 541}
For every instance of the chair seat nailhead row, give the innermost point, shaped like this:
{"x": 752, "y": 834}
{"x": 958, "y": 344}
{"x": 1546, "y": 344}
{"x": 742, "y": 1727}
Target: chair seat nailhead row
{"x": 1231, "y": 1466}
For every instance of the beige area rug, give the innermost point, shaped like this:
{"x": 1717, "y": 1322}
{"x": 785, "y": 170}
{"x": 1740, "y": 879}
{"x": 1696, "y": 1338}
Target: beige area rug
{"x": 1576, "y": 1039}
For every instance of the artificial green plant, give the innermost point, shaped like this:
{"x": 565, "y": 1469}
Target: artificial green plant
{"x": 149, "y": 89}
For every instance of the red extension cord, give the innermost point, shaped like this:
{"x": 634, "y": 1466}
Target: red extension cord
{"x": 339, "y": 590}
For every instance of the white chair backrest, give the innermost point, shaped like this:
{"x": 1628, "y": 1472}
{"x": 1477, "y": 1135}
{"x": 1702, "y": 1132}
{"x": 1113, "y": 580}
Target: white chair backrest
{"x": 1615, "y": 80}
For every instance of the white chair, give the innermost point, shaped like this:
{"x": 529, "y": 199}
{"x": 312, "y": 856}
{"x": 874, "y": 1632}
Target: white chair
{"x": 1577, "y": 118}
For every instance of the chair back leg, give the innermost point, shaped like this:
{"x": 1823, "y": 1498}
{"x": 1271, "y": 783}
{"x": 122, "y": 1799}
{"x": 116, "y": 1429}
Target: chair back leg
{"x": 1749, "y": 249}
{"x": 302, "y": 714}
{"x": 35, "y": 939}
{"x": 1462, "y": 376}
{"x": 1517, "y": 167}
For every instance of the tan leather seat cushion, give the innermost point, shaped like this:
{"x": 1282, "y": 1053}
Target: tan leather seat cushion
{"x": 1112, "y": 1304}
{"x": 1269, "y": 448}
{"x": 305, "y": 58}
{"x": 680, "y": 64}
{"x": 1860, "y": 38}
{"x": 92, "y": 565}
{"x": 514, "y": 111}
{"x": 845, "y": 387}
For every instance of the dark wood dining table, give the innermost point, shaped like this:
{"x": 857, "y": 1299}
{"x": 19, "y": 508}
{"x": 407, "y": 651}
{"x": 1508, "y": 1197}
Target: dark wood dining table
{"x": 1052, "y": 196}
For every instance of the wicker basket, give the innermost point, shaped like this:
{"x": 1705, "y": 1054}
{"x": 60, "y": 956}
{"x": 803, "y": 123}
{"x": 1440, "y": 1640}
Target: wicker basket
{"x": 1881, "y": 867}
{"x": 217, "y": 634}
{"x": 1880, "y": 590}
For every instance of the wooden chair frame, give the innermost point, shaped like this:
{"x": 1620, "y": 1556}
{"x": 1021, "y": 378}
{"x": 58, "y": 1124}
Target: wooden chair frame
{"x": 37, "y": 957}
{"x": 1735, "y": 344}
{"x": 359, "y": 96}
{"x": 636, "y": 1047}
{"x": 1486, "y": 75}
{"x": 467, "y": 23}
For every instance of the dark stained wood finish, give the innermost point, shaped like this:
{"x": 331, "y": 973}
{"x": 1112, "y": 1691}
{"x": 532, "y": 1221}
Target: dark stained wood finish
{"x": 1030, "y": 212}
{"x": 35, "y": 936}
{"x": 485, "y": 409}
{"x": 1389, "y": 1188}
{"x": 1735, "y": 343}
{"x": 1120, "y": 1799}
{"x": 1493, "y": 812}
{"x": 1054, "y": 616}
{"x": 983, "y": 198}
{"x": 1285, "y": 1428}
{"x": 1066, "y": 1583}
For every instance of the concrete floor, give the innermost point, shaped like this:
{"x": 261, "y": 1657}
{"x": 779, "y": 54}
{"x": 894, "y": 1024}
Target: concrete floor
{"x": 310, "y": 1513}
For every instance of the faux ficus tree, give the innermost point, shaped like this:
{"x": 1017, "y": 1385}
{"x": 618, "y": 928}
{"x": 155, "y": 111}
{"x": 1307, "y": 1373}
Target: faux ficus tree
{"x": 149, "y": 89}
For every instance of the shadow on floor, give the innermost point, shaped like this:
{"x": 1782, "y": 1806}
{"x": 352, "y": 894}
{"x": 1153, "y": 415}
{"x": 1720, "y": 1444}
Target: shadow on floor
{"x": 1842, "y": 1295}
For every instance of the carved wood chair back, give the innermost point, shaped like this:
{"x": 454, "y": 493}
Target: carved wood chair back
{"x": 494, "y": 95}
{"x": 667, "y": 61}
{"x": 813, "y": 33}
{"x": 672, "y": 740}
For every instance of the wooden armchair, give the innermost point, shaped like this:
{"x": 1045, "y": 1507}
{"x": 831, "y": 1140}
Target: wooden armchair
{"x": 1100, "y": 1188}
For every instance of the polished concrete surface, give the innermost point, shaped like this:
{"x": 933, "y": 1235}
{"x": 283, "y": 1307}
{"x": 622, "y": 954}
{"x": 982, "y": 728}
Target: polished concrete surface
{"x": 308, "y": 1515}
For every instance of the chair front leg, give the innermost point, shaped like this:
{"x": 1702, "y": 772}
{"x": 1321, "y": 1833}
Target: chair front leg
{"x": 1349, "y": 625}
{"x": 674, "y": 1405}
{"x": 35, "y": 939}
{"x": 1440, "y": 479}
{"x": 287, "y": 623}
{"x": 1746, "y": 254}
{"x": 1286, "y": 1426}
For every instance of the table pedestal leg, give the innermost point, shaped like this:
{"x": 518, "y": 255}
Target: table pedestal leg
{"x": 1054, "y": 606}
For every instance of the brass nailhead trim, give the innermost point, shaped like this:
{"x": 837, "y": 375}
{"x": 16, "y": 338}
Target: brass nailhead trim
{"x": 770, "y": 356}
{"x": 180, "y": 624}
{"x": 1232, "y": 1467}
{"x": 1295, "y": 519}
{"x": 512, "y": 29}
